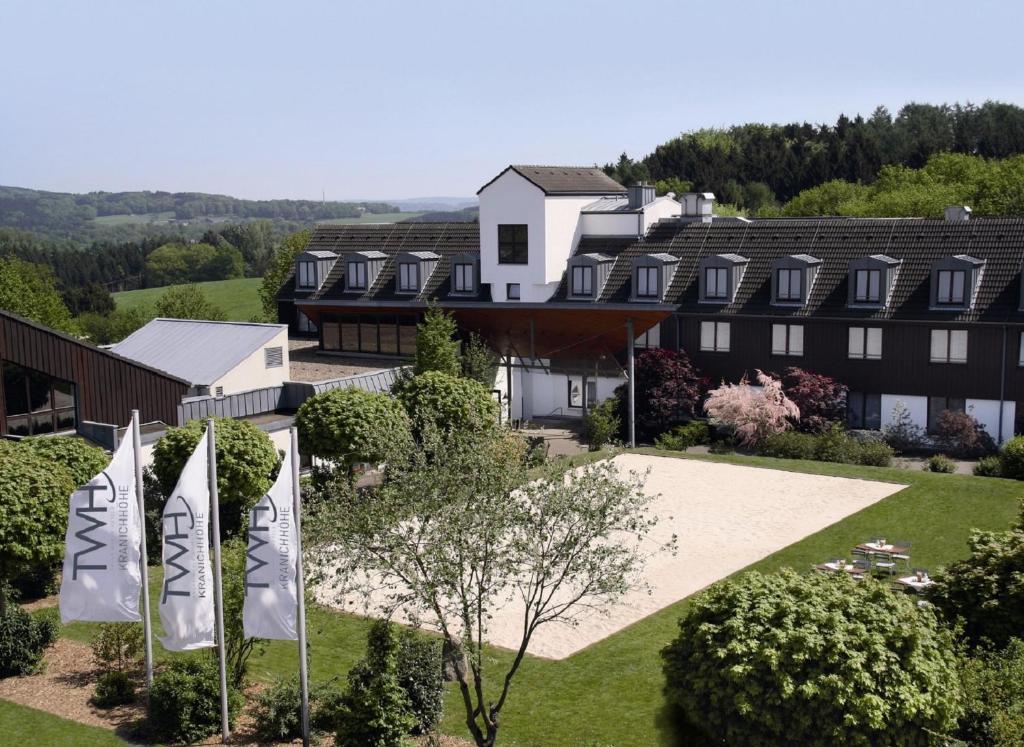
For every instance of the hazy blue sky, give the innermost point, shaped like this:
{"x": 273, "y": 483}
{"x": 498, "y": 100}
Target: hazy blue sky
{"x": 389, "y": 99}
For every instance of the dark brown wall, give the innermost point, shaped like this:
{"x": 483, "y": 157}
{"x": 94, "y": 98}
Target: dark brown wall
{"x": 107, "y": 387}
{"x": 903, "y": 369}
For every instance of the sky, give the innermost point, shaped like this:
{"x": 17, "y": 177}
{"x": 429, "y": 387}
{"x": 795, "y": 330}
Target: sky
{"x": 410, "y": 99}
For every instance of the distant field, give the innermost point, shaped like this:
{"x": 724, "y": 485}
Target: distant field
{"x": 374, "y": 218}
{"x": 127, "y": 218}
{"x": 239, "y": 298}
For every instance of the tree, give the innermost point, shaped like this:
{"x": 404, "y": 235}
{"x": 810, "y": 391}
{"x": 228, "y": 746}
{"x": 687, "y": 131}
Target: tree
{"x": 92, "y": 297}
{"x": 667, "y": 391}
{"x": 115, "y": 326}
{"x": 349, "y": 426}
{"x": 436, "y": 346}
{"x": 441, "y": 402}
{"x": 173, "y": 264}
{"x": 188, "y": 302}
{"x": 812, "y": 660}
{"x": 479, "y": 361}
{"x": 246, "y": 459}
{"x": 960, "y": 435}
{"x": 453, "y": 534}
{"x": 29, "y": 291}
{"x": 902, "y": 433}
{"x": 994, "y": 694}
{"x": 820, "y": 399}
{"x": 281, "y": 266}
{"x": 752, "y": 414}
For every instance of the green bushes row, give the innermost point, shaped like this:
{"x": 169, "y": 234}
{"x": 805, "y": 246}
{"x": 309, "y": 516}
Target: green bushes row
{"x": 833, "y": 445}
{"x": 683, "y": 437}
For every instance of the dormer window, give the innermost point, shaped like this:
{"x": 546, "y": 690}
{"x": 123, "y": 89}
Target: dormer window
{"x": 413, "y": 270}
{"x": 647, "y": 285}
{"x": 362, "y": 268}
{"x": 583, "y": 281}
{"x": 867, "y": 286}
{"x": 408, "y": 277}
{"x": 792, "y": 279}
{"x": 652, "y": 275}
{"x": 355, "y": 272}
{"x": 312, "y": 267}
{"x": 870, "y": 281}
{"x": 464, "y": 274}
{"x": 587, "y": 273}
{"x": 720, "y": 276}
{"x": 307, "y": 274}
{"x": 955, "y": 281}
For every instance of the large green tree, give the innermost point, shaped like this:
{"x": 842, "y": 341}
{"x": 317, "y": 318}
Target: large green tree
{"x": 187, "y": 302}
{"x": 281, "y": 266}
{"x": 29, "y": 291}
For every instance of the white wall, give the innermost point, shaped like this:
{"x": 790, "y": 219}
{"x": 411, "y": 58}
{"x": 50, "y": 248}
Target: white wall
{"x": 611, "y": 224}
{"x": 662, "y": 207}
{"x": 545, "y": 394}
{"x": 986, "y": 412}
{"x": 252, "y": 373}
{"x": 513, "y": 199}
{"x": 917, "y": 406}
{"x": 563, "y": 229}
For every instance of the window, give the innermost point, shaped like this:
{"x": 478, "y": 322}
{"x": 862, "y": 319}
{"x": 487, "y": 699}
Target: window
{"x": 649, "y": 339}
{"x": 788, "y": 285}
{"x": 951, "y": 286}
{"x": 647, "y": 282}
{"x": 864, "y": 411}
{"x": 865, "y": 342}
{"x": 582, "y": 280}
{"x": 37, "y": 403}
{"x": 867, "y": 286}
{"x": 938, "y": 405}
{"x": 408, "y": 277}
{"x": 304, "y": 323}
{"x": 384, "y": 334}
{"x": 356, "y": 272}
{"x": 787, "y": 339}
{"x": 949, "y": 346}
{"x": 307, "y": 275}
{"x": 512, "y": 291}
{"x": 513, "y": 245}
{"x": 576, "y": 392}
{"x": 716, "y": 282}
{"x": 218, "y": 391}
{"x": 273, "y": 357}
{"x": 463, "y": 278}
{"x": 714, "y": 336}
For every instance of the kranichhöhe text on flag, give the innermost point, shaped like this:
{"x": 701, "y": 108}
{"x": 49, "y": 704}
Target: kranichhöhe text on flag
{"x": 186, "y": 597}
{"x": 101, "y": 578}
{"x": 269, "y": 610}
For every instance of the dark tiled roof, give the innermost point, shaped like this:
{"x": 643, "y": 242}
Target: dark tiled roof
{"x": 609, "y": 246}
{"x": 566, "y": 180}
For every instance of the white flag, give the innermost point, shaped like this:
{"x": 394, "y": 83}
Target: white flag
{"x": 101, "y": 579}
{"x": 186, "y": 598}
{"x": 270, "y": 606}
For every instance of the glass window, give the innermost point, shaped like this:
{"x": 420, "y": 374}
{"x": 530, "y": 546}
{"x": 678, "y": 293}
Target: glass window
{"x": 949, "y": 346}
{"x": 868, "y": 286}
{"x": 304, "y": 323}
{"x": 463, "y": 277}
{"x": 647, "y": 282}
{"x": 716, "y": 282}
{"x": 787, "y": 339}
{"x": 575, "y": 398}
{"x": 307, "y": 275}
{"x": 649, "y": 339}
{"x": 788, "y": 285}
{"x": 356, "y": 271}
{"x": 865, "y": 342}
{"x": 864, "y": 411}
{"x": 951, "y": 286}
{"x": 513, "y": 244}
{"x": 408, "y": 276}
{"x": 512, "y": 291}
{"x": 714, "y": 337}
{"x": 938, "y": 405}
{"x": 36, "y": 403}
{"x": 582, "y": 280}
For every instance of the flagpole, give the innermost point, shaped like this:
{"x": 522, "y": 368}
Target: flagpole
{"x": 218, "y": 595}
{"x": 301, "y": 586}
{"x": 147, "y": 630}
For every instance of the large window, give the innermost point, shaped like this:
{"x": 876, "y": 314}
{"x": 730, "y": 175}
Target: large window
{"x": 649, "y": 339}
{"x": 647, "y": 282}
{"x": 867, "y": 286}
{"x": 716, "y": 282}
{"x": 576, "y": 392}
{"x": 949, "y": 346}
{"x": 788, "y": 285}
{"x": 463, "y": 278}
{"x": 582, "y": 280}
{"x": 408, "y": 277}
{"x": 513, "y": 247}
{"x": 37, "y": 403}
{"x": 951, "y": 286}
{"x": 865, "y": 342}
{"x": 714, "y": 337}
{"x": 512, "y": 291}
{"x": 304, "y": 323}
{"x": 938, "y": 405}
{"x": 864, "y": 411}
{"x": 307, "y": 275}
{"x": 787, "y": 339}
{"x": 383, "y": 334}
{"x": 356, "y": 272}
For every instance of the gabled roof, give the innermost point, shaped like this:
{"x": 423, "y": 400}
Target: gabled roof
{"x": 565, "y": 180}
{"x": 200, "y": 352}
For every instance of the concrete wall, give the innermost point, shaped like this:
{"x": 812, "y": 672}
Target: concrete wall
{"x": 547, "y": 394}
{"x": 513, "y": 199}
{"x": 563, "y": 229}
{"x": 252, "y": 373}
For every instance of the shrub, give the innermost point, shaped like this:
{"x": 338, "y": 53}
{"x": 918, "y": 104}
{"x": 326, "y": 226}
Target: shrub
{"x": 875, "y": 454}
{"x": 752, "y": 414}
{"x": 350, "y": 425}
{"x": 277, "y": 710}
{"x": 986, "y": 589}
{"x": 834, "y": 445}
{"x": 821, "y": 399}
{"x": 23, "y": 638}
{"x": 1011, "y": 458}
{"x": 994, "y": 698}
{"x": 789, "y": 445}
{"x": 682, "y": 437}
{"x": 419, "y": 675}
{"x": 80, "y": 459}
{"x": 184, "y": 702}
{"x": 436, "y": 400}
{"x": 902, "y": 433}
{"x": 667, "y": 392}
{"x": 479, "y": 361}
{"x": 436, "y": 346}
{"x": 602, "y": 424}
{"x": 939, "y": 463}
{"x": 117, "y": 646}
{"x": 989, "y": 466}
{"x": 37, "y": 582}
{"x": 113, "y": 688}
{"x": 960, "y": 434}
{"x": 237, "y": 647}
{"x": 811, "y": 660}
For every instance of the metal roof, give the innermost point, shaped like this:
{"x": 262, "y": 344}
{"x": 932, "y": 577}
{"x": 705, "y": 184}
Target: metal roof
{"x": 199, "y": 352}
{"x": 424, "y": 255}
{"x": 611, "y": 205}
{"x": 321, "y": 254}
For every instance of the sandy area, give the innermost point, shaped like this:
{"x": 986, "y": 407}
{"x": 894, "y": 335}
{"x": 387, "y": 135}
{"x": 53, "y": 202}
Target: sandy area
{"x": 725, "y": 517}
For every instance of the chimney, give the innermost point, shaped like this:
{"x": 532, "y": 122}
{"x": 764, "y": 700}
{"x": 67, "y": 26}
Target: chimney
{"x": 957, "y": 213}
{"x": 698, "y": 205}
{"x": 640, "y": 194}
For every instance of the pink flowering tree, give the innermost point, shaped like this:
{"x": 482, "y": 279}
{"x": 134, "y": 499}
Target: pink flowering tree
{"x": 753, "y": 413}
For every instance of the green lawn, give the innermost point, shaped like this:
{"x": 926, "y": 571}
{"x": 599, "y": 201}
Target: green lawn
{"x": 371, "y": 218}
{"x": 126, "y": 219}
{"x": 239, "y": 297}
{"x": 20, "y": 726}
{"x": 610, "y": 693}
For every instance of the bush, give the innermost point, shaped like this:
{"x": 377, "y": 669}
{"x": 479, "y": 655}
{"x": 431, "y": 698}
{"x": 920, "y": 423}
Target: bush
{"x": 994, "y": 695}
{"x": 117, "y": 646}
{"x": 902, "y": 433}
{"x": 23, "y": 638}
{"x": 667, "y": 392}
{"x": 436, "y": 346}
{"x": 682, "y": 437}
{"x": 602, "y": 424}
{"x": 1011, "y": 458}
{"x": 752, "y": 414}
{"x": 789, "y": 445}
{"x": 959, "y": 434}
{"x": 834, "y": 445}
{"x": 419, "y": 675}
{"x": 184, "y": 703}
{"x": 479, "y": 361}
{"x": 277, "y": 710}
{"x": 435, "y": 400}
{"x": 807, "y": 659}
{"x": 113, "y": 689}
{"x": 989, "y": 466}
{"x": 821, "y": 399}
{"x": 939, "y": 463}
{"x": 37, "y": 582}
{"x": 80, "y": 459}
{"x": 875, "y": 454}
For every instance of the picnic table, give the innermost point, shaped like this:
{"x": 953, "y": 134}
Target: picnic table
{"x": 835, "y": 567}
{"x": 915, "y": 582}
{"x": 879, "y": 547}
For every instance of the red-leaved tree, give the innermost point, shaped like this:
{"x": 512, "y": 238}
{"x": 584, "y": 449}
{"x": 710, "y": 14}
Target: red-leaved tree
{"x": 668, "y": 391}
{"x": 821, "y": 399}
{"x": 753, "y": 413}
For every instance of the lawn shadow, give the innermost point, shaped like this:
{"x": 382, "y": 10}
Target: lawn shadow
{"x": 674, "y": 730}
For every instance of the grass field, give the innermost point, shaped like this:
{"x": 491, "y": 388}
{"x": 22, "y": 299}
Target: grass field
{"x": 239, "y": 297}
{"x": 20, "y": 725}
{"x": 373, "y": 218}
{"x": 126, "y": 219}
{"x": 610, "y": 693}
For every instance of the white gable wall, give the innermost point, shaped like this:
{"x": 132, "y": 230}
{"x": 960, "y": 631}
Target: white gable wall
{"x": 252, "y": 373}
{"x": 513, "y": 199}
